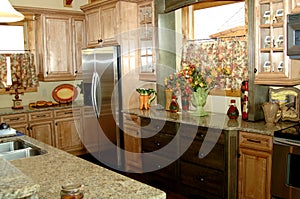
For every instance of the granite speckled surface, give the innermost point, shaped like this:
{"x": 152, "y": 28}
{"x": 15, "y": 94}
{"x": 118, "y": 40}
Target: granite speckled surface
{"x": 14, "y": 184}
{"x": 213, "y": 120}
{"x": 56, "y": 168}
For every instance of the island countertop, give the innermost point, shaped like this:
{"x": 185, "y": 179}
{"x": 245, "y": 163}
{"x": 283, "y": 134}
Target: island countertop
{"x": 212, "y": 120}
{"x": 56, "y": 168}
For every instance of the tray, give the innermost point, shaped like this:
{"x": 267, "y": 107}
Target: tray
{"x": 64, "y": 93}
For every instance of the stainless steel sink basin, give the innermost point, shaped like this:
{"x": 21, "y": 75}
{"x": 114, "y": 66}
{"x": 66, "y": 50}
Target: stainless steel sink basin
{"x": 16, "y": 149}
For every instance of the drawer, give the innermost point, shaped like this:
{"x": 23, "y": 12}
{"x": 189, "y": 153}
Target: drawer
{"x": 255, "y": 141}
{"x": 214, "y": 159}
{"x": 15, "y": 118}
{"x": 202, "y": 132}
{"x": 155, "y": 126}
{"x": 161, "y": 166}
{"x": 165, "y": 143}
{"x": 44, "y": 115}
{"x": 69, "y": 112}
{"x": 202, "y": 178}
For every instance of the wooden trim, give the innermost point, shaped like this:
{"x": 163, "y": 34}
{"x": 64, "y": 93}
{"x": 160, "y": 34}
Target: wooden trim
{"x": 223, "y": 92}
{"x": 211, "y": 3}
{"x": 37, "y": 10}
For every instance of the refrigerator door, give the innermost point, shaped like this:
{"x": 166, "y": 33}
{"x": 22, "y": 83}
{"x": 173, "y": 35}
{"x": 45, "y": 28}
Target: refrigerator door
{"x": 101, "y": 92}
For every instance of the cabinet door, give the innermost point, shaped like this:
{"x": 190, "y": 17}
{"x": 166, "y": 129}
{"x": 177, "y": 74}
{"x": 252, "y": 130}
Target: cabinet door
{"x": 93, "y": 27}
{"x": 58, "y": 47}
{"x": 42, "y": 131}
{"x": 67, "y": 133}
{"x": 78, "y": 44}
{"x": 254, "y": 174}
{"x": 108, "y": 23}
{"x": 255, "y": 165}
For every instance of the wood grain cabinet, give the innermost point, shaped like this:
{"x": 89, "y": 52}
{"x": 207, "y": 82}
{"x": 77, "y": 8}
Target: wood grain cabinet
{"x": 132, "y": 142}
{"x": 273, "y": 66}
{"x": 17, "y": 121}
{"x": 105, "y": 19}
{"x": 41, "y": 126}
{"x": 68, "y": 130}
{"x": 60, "y": 38}
{"x": 255, "y": 164}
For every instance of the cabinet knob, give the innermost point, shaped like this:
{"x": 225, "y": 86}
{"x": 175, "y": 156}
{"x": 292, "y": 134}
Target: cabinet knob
{"x": 100, "y": 40}
{"x": 255, "y": 70}
{"x": 76, "y": 71}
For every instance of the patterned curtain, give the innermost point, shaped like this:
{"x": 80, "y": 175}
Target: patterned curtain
{"x": 23, "y": 72}
{"x": 229, "y": 59}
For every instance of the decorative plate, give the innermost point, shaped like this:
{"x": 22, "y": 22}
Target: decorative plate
{"x": 64, "y": 93}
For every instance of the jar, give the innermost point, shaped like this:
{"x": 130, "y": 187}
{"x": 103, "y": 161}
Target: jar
{"x": 72, "y": 191}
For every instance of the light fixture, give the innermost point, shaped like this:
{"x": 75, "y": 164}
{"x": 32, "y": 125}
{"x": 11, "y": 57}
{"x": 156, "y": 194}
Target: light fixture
{"x": 8, "y": 13}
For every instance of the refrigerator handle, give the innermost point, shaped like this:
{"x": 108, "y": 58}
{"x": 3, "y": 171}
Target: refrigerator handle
{"x": 95, "y": 84}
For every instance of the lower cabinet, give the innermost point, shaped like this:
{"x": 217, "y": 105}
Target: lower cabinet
{"x": 60, "y": 128}
{"x": 255, "y": 164}
{"x": 190, "y": 171}
{"x": 68, "y": 130}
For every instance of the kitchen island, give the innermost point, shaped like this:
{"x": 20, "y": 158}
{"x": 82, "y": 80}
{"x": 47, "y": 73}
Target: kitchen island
{"x": 48, "y": 172}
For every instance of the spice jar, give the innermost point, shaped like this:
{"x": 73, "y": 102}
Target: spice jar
{"x": 72, "y": 191}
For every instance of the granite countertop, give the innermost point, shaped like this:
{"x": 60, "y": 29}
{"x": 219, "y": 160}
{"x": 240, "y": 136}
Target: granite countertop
{"x": 213, "y": 120}
{"x": 56, "y": 168}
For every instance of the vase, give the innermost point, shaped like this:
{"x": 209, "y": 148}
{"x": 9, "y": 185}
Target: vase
{"x": 199, "y": 100}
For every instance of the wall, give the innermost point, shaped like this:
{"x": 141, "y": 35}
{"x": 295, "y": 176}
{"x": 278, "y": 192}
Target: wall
{"x": 55, "y": 4}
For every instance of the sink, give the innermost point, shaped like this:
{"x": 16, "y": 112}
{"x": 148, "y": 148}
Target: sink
{"x": 15, "y": 149}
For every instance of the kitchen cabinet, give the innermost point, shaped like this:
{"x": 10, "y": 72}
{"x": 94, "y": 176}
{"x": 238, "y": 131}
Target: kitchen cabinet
{"x": 60, "y": 37}
{"x": 106, "y": 19}
{"x": 132, "y": 142}
{"x": 272, "y": 65}
{"x": 68, "y": 130}
{"x": 41, "y": 126}
{"x": 17, "y": 121}
{"x": 190, "y": 173}
{"x": 254, "y": 166}
{"x": 147, "y": 48}
{"x": 61, "y": 128}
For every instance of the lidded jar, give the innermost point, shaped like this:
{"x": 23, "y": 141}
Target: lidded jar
{"x": 232, "y": 111}
{"x": 71, "y": 191}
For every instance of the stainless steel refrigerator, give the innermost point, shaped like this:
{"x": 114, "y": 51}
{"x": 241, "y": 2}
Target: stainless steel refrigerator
{"x": 103, "y": 103}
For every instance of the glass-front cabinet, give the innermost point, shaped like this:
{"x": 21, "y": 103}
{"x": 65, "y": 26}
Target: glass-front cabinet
{"x": 272, "y": 65}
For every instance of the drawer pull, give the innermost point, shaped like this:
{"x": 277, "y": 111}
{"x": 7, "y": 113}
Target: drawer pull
{"x": 68, "y": 112}
{"x": 254, "y": 141}
{"x": 157, "y": 143}
{"x": 14, "y": 119}
{"x": 41, "y": 116}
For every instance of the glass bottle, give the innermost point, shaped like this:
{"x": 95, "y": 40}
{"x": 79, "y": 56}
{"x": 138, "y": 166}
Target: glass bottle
{"x": 232, "y": 111}
{"x": 245, "y": 106}
{"x": 71, "y": 191}
{"x": 174, "y": 106}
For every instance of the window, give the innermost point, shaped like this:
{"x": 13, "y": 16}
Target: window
{"x": 11, "y": 39}
{"x": 213, "y": 20}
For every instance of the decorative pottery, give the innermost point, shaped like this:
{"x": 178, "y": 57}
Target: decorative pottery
{"x": 270, "y": 112}
{"x": 147, "y": 95}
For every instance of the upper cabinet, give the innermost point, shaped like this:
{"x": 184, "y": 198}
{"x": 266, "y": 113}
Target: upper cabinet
{"x": 146, "y": 41}
{"x": 105, "y": 20}
{"x": 272, "y": 65}
{"x": 60, "y": 38}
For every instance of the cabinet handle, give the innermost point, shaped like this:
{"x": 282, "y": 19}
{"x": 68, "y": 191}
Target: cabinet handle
{"x": 68, "y": 112}
{"x": 55, "y": 123}
{"x": 100, "y": 40}
{"x": 255, "y": 70}
{"x": 14, "y": 119}
{"x": 46, "y": 72}
{"x": 41, "y": 116}
{"x": 255, "y": 141}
